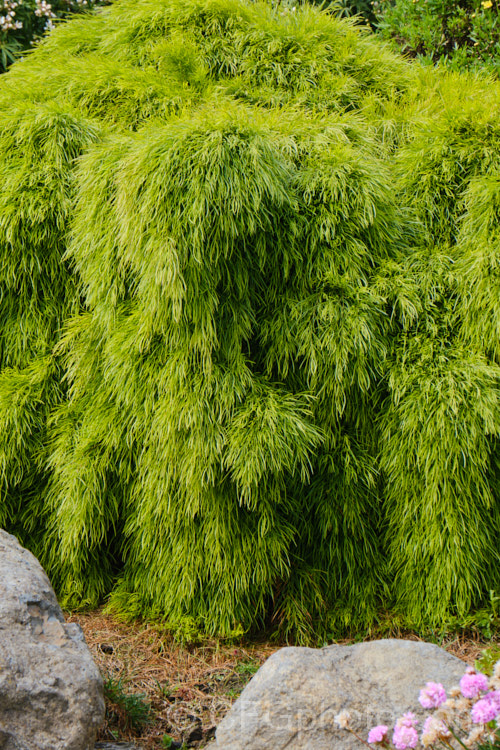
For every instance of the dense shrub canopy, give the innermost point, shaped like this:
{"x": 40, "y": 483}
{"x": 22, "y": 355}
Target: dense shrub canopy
{"x": 250, "y": 319}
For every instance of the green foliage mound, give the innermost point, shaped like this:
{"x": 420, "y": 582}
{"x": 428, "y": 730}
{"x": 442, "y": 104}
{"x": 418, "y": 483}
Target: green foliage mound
{"x": 250, "y": 320}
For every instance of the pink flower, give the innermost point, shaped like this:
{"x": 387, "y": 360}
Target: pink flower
{"x": 472, "y": 683}
{"x": 404, "y": 737}
{"x": 494, "y": 697}
{"x": 427, "y": 724}
{"x": 484, "y": 711}
{"x": 378, "y": 734}
{"x": 407, "y": 720}
{"x": 432, "y": 695}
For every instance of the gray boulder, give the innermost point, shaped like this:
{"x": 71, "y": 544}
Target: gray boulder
{"x": 293, "y": 699}
{"x": 51, "y": 693}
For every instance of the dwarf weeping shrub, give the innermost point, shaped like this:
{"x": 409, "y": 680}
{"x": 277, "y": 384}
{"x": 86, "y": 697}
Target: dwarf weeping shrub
{"x": 250, "y": 320}
{"x": 38, "y": 293}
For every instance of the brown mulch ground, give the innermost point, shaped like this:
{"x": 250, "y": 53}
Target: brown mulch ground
{"x": 189, "y": 687}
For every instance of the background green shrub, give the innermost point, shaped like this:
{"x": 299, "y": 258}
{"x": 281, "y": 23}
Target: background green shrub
{"x": 23, "y": 22}
{"x": 461, "y": 34}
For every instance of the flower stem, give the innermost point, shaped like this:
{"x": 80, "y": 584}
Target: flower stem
{"x": 359, "y": 738}
{"x": 458, "y": 739}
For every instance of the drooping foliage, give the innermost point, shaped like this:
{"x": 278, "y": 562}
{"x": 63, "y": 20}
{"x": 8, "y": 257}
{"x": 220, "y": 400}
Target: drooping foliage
{"x": 250, "y": 319}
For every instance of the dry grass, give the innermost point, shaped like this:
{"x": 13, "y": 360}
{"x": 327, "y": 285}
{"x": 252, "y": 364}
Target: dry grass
{"x": 189, "y": 687}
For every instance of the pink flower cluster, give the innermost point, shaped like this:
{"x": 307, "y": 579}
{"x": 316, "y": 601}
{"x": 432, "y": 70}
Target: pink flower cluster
{"x": 473, "y": 708}
{"x": 487, "y": 708}
{"x": 405, "y": 732}
{"x": 378, "y": 734}
{"x": 473, "y": 683}
{"x": 432, "y": 695}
